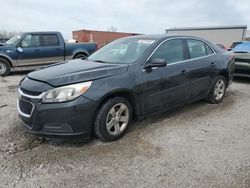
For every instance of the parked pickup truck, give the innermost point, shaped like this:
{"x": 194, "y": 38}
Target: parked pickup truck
{"x": 32, "y": 49}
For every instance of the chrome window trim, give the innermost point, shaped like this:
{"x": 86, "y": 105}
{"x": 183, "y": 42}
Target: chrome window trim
{"x": 189, "y": 60}
{"x": 192, "y": 38}
{"x": 24, "y": 114}
{"x": 30, "y": 96}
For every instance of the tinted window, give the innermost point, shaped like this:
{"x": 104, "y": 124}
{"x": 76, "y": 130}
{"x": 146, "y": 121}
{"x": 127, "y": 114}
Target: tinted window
{"x": 196, "y": 48}
{"x": 31, "y": 41}
{"x": 171, "y": 51}
{"x": 50, "y": 40}
{"x": 235, "y": 44}
{"x": 243, "y": 47}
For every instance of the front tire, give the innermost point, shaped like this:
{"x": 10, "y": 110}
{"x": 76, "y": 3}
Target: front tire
{"x": 4, "y": 67}
{"x": 113, "y": 119}
{"x": 218, "y": 90}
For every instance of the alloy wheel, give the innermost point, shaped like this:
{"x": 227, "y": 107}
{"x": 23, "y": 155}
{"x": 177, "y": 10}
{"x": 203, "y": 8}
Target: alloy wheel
{"x": 219, "y": 89}
{"x": 117, "y": 119}
{"x": 3, "y": 68}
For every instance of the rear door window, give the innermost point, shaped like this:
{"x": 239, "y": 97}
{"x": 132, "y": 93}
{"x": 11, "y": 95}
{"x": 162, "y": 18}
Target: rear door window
{"x": 50, "y": 40}
{"x": 171, "y": 50}
{"x": 198, "y": 48}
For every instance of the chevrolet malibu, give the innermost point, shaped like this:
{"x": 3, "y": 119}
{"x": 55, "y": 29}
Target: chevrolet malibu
{"x": 130, "y": 78}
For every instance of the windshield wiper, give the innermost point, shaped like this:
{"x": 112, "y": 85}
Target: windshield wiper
{"x": 99, "y": 61}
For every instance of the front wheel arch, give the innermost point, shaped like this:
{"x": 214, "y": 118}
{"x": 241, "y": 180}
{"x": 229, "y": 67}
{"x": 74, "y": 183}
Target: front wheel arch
{"x": 7, "y": 59}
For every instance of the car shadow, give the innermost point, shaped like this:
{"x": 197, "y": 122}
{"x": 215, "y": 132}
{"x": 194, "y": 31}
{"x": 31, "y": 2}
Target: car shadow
{"x": 244, "y": 80}
{"x": 13, "y": 73}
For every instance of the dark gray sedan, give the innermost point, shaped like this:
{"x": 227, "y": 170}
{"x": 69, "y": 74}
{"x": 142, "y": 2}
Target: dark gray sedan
{"x": 130, "y": 78}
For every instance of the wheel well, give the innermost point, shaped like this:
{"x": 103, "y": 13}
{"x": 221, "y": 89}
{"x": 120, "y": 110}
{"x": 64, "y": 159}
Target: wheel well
{"x": 2, "y": 57}
{"x": 83, "y": 53}
{"x": 127, "y": 96}
{"x": 225, "y": 75}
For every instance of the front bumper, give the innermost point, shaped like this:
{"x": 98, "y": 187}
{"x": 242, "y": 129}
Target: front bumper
{"x": 242, "y": 69}
{"x": 67, "y": 119}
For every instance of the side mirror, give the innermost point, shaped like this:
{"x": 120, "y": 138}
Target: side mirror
{"x": 156, "y": 62}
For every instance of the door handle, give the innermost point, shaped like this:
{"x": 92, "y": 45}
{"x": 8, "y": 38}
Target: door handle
{"x": 183, "y": 71}
{"x": 212, "y": 64}
{"x": 58, "y": 49}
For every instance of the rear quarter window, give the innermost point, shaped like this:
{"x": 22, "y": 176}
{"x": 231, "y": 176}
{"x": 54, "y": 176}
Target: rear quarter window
{"x": 209, "y": 50}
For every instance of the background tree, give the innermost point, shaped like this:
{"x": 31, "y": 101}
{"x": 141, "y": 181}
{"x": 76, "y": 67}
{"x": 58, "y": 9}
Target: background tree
{"x": 112, "y": 29}
{"x": 6, "y": 34}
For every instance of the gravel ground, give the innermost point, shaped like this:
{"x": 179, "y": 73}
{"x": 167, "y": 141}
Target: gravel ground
{"x": 199, "y": 145}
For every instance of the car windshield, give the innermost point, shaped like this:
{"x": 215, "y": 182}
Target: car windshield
{"x": 243, "y": 47}
{"x": 14, "y": 39}
{"x": 235, "y": 44}
{"x": 122, "y": 51}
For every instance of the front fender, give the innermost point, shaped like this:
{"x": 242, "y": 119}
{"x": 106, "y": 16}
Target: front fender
{"x": 8, "y": 58}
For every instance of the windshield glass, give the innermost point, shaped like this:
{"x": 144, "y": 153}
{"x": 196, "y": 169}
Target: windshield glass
{"x": 14, "y": 39}
{"x": 245, "y": 47}
{"x": 122, "y": 51}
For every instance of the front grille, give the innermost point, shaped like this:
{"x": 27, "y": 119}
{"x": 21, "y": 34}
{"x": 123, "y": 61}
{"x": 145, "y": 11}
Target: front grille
{"x": 242, "y": 60}
{"x": 25, "y": 107}
{"x": 32, "y": 93}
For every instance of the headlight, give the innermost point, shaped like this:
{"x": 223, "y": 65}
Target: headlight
{"x": 65, "y": 93}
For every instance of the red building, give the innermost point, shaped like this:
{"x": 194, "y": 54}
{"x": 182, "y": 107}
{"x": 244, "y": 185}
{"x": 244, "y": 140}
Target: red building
{"x": 100, "y": 37}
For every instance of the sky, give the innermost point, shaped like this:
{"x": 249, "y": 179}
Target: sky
{"x": 137, "y": 16}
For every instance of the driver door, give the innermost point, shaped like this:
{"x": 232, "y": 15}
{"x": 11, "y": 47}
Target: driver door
{"x": 167, "y": 86}
{"x": 29, "y": 52}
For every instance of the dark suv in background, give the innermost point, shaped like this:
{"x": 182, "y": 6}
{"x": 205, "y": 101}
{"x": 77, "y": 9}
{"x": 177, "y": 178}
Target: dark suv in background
{"x": 130, "y": 78}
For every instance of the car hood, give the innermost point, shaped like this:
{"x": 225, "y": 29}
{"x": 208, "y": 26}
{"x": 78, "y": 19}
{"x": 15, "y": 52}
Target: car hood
{"x": 76, "y": 71}
{"x": 4, "y": 47}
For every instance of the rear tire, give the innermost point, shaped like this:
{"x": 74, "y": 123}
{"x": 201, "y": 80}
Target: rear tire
{"x": 80, "y": 56}
{"x": 4, "y": 67}
{"x": 218, "y": 90}
{"x": 113, "y": 119}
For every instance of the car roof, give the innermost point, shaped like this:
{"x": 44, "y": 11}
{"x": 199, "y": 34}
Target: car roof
{"x": 42, "y": 32}
{"x": 163, "y": 36}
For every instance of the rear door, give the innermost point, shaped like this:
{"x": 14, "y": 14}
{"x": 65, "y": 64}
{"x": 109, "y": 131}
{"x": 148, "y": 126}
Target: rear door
{"x": 52, "y": 50}
{"x": 166, "y": 86}
{"x": 201, "y": 65}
